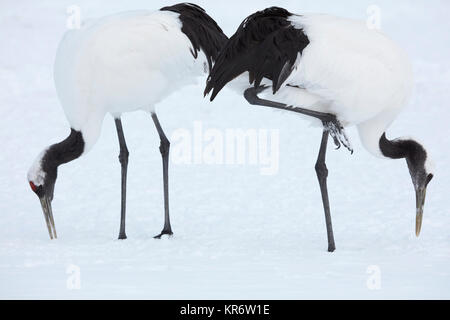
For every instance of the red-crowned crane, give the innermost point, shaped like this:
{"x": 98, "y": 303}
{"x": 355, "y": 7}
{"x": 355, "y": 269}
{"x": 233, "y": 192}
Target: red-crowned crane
{"x": 336, "y": 71}
{"x": 122, "y": 63}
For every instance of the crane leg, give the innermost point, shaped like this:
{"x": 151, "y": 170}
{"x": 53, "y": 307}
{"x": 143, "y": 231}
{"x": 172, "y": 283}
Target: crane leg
{"x": 322, "y": 174}
{"x": 330, "y": 122}
{"x": 164, "y": 147}
{"x": 332, "y": 127}
{"x": 123, "y": 158}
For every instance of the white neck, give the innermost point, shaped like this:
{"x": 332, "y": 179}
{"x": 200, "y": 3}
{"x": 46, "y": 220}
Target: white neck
{"x": 371, "y": 131}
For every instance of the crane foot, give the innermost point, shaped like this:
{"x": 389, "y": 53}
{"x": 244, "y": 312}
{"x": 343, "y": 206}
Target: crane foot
{"x": 122, "y": 236}
{"x": 336, "y": 131}
{"x": 164, "y": 232}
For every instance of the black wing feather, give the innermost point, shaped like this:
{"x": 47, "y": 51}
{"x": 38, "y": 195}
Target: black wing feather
{"x": 203, "y": 32}
{"x": 266, "y": 45}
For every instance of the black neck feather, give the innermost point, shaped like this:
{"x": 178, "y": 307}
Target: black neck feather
{"x": 398, "y": 149}
{"x": 201, "y": 29}
{"x": 415, "y": 155}
{"x": 393, "y": 149}
{"x": 67, "y": 150}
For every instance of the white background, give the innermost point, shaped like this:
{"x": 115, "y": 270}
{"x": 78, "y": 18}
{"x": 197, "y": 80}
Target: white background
{"x": 238, "y": 235}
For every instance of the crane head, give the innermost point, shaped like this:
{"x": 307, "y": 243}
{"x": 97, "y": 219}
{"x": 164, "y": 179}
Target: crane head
{"x": 42, "y": 174}
{"x": 42, "y": 178}
{"x": 419, "y": 164}
{"x": 420, "y": 168}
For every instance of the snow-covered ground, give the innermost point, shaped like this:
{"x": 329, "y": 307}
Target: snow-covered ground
{"x": 238, "y": 234}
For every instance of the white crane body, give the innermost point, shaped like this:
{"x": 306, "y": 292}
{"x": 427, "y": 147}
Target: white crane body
{"x": 349, "y": 70}
{"x": 122, "y": 63}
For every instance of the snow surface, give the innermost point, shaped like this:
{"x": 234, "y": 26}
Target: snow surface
{"x": 238, "y": 234}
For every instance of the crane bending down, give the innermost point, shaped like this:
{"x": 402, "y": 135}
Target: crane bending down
{"x": 124, "y": 63}
{"x": 330, "y": 69}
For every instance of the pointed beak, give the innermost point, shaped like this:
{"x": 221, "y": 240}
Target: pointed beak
{"x": 420, "y": 202}
{"x": 48, "y": 215}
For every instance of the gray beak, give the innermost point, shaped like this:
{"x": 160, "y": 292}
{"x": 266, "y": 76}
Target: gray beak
{"x": 48, "y": 215}
{"x": 420, "y": 202}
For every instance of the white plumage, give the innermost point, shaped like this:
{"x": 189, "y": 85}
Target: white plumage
{"x": 351, "y": 71}
{"x": 122, "y": 63}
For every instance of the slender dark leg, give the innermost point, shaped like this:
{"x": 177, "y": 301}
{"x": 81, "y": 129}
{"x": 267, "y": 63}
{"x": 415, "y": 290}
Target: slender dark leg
{"x": 123, "y": 158}
{"x": 164, "y": 147}
{"x": 322, "y": 174}
{"x": 332, "y": 127}
{"x": 330, "y": 122}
